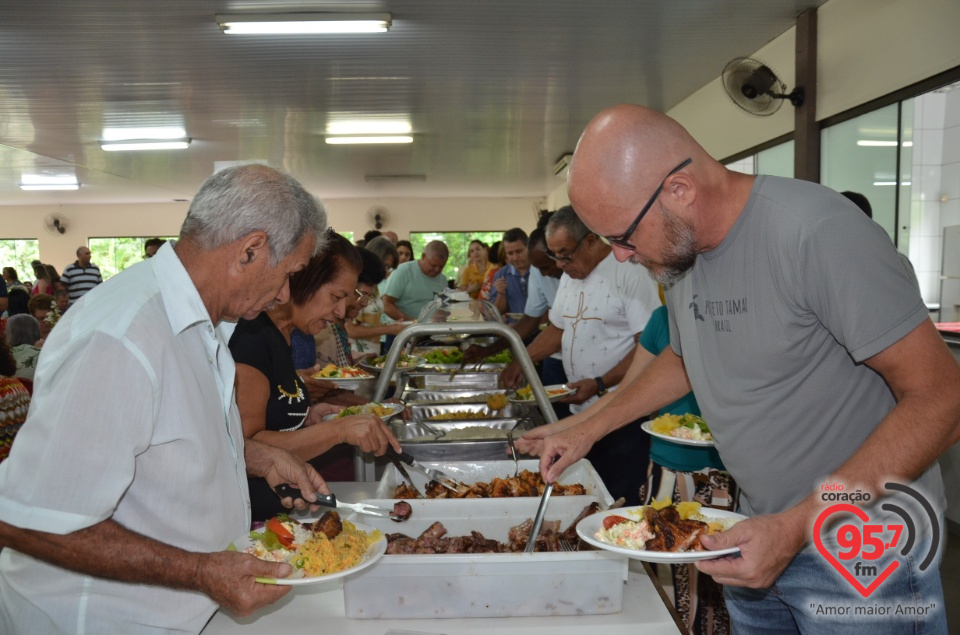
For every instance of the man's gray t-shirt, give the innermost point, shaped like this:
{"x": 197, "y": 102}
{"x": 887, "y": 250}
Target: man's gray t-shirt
{"x": 773, "y": 326}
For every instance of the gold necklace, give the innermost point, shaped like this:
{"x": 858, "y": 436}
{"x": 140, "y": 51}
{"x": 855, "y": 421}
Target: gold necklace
{"x": 290, "y": 395}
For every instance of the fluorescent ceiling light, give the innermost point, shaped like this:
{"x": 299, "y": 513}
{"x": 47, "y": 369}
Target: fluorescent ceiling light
{"x": 48, "y": 182}
{"x": 140, "y": 134}
{"x": 370, "y": 139}
{"x": 144, "y": 144}
{"x": 303, "y": 23}
{"x": 371, "y": 127}
{"x": 882, "y": 144}
{"x": 891, "y": 183}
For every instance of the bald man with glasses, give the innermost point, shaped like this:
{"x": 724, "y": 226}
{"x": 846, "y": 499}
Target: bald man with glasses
{"x": 808, "y": 347}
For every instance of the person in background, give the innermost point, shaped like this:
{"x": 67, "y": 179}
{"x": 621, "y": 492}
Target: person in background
{"x": 3, "y": 298}
{"x": 370, "y": 235}
{"x": 14, "y": 400}
{"x": 509, "y": 291}
{"x": 392, "y": 236}
{"x": 43, "y": 284}
{"x": 362, "y": 321}
{"x": 152, "y": 469}
{"x": 61, "y": 298}
{"x": 386, "y": 251}
{"x": 23, "y": 335}
{"x": 414, "y": 284}
{"x": 10, "y": 277}
{"x": 56, "y": 282}
{"x": 599, "y": 309}
{"x": 273, "y": 400}
{"x": 81, "y": 276}
{"x": 18, "y": 301}
{"x": 781, "y": 300}
{"x": 863, "y": 203}
{"x": 475, "y": 271}
{"x": 151, "y": 245}
{"x": 683, "y": 473}
{"x": 405, "y": 252}
{"x": 40, "y": 307}
{"x": 541, "y": 293}
{"x": 496, "y": 257}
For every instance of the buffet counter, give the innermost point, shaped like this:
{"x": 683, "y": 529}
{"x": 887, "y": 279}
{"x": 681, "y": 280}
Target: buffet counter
{"x": 309, "y": 608}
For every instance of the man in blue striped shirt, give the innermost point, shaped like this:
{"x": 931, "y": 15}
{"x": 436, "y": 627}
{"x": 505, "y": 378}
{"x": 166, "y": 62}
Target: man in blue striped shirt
{"x": 81, "y": 276}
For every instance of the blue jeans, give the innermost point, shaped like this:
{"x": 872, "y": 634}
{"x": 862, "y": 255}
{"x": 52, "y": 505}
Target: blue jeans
{"x": 810, "y": 596}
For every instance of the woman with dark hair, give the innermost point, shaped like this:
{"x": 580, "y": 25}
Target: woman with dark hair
{"x": 405, "y": 251}
{"x": 14, "y": 399}
{"x": 496, "y": 259}
{"x": 23, "y": 336}
{"x": 272, "y": 398}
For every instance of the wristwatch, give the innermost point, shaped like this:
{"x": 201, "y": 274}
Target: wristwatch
{"x": 601, "y": 387}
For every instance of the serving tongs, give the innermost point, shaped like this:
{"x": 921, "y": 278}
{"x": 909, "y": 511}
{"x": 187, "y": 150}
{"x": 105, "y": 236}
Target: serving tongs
{"x": 330, "y": 500}
{"x": 538, "y": 519}
{"x": 433, "y": 474}
{"x": 405, "y": 475}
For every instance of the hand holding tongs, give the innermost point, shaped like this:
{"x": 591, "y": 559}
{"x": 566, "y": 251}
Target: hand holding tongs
{"x": 330, "y": 500}
{"x": 434, "y": 475}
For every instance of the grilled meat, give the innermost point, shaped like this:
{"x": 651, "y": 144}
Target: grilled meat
{"x": 329, "y": 524}
{"x": 526, "y": 483}
{"x": 402, "y": 510}
{"x": 671, "y": 533}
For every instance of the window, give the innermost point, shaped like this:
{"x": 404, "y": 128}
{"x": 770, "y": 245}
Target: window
{"x": 18, "y": 253}
{"x": 457, "y": 243}
{"x": 776, "y": 161}
{"x": 861, "y": 155}
{"x": 113, "y": 255}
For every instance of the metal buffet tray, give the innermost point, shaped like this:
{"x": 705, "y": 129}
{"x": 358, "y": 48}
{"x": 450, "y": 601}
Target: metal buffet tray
{"x": 425, "y": 412}
{"x": 418, "y": 441}
{"x": 413, "y": 432}
{"x": 427, "y": 396}
{"x": 461, "y": 381}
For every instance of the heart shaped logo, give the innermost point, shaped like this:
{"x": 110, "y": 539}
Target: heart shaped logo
{"x": 854, "y": 582}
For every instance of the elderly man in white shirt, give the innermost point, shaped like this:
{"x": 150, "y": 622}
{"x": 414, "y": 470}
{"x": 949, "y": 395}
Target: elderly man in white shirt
{"x": 600, "y": 308}
{"x": 117, "y": 504}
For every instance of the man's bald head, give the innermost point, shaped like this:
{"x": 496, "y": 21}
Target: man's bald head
{"x": 622, "y": 155}
{"x": 437, "y": 249}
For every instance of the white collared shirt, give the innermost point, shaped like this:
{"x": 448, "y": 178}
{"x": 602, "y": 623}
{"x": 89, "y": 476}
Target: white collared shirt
{"x": 133, "y": 418}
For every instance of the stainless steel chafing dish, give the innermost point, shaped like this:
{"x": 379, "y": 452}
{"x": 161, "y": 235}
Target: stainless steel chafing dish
{"x": 449, "y": 412}
{"x": 445, "y": 317}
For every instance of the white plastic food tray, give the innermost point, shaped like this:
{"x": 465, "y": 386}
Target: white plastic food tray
{"x": 485, "y": 585}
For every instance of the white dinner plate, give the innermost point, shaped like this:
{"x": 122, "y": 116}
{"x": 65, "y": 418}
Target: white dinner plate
{"x": 588, "y": 527}
{"x": 395, "y": 409}
{"x": 646, "y": 427}
{"x": 562, "y": 390}
{"x": 347, "y": 383}
{"x": 371, "y": 555}
{"x": 413, "y": 361}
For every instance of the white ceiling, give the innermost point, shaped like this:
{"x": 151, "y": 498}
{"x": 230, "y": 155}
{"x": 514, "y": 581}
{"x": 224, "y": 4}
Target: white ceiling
{"x": 496, "y": 90}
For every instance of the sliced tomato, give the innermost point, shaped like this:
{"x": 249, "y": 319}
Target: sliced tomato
{"x": 283, "y": 534}
{"x": 610, "y": 521}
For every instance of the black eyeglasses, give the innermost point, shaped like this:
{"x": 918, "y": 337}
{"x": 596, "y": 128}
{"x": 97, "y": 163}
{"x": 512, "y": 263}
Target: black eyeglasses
{"x": 623, "y": 240}
{"x": 567, "y": 258}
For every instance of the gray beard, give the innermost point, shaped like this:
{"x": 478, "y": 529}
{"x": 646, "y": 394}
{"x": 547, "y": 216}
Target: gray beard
{"x": 680, "y": 255}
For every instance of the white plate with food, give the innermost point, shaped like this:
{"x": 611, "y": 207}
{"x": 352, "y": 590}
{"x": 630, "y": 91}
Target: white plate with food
{"x": 312, "y": 553}
{"x": 383, "y": 410}
{"x": 405, "y": 362}
{"x": 683, "y": 429}
{"x": 631, "y": 537}
{"x": 554, "y": 393}
{"x": 345, "y": 377}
